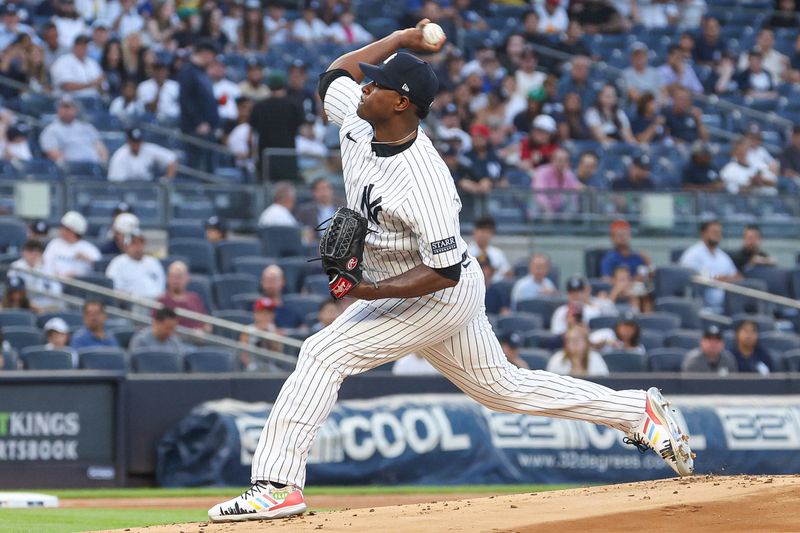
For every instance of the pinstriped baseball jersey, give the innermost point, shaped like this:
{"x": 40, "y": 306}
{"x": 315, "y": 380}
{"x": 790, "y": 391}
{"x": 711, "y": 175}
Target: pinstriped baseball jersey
{"x": 409, "y": 198}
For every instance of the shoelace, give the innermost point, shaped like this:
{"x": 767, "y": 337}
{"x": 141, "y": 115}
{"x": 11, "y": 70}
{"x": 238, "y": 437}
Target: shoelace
{"x": 251, "y": 492}
{"x": 639, "y": 442}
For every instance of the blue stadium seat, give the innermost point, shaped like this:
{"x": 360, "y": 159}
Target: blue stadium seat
{"x": 666, "y": 359}
{"x": 651, "y": 339}
{"x": 186, "y": 229}
{"x": 43, "y": 169}
{"x": 776, "y": 279}
{"x": 245, "y": 301}
{"x": 544, "y": 307}
{"x": 85, "y": 170}
{"x": 199, "y": 252}
{"x": 520, "y": 323}
{"x": 72, "y": 318}
{"x": 209, "y": 361}
{"x": 737, "y": 303}
{"x": 535, "y": 357}
{"x": 103, "y": 359}
{"x": 253, "y": 265}
{"x": 95, "y": 279}
{"x": 316, "y": 284}
{"x": 294, "y": 271}
{"x": 13, "y": 234}
{"x": 244, "y": 318}
{"x": 672, "y": 281}
{"x": 194, "y": 209}
{"x": 502, "y": 291}
{"x": 659, "y": 321}
{"x": 41, "y": 359}
{"x": 791, "y": 361}
{"x": 281, "y": 241}
{"x": 603, "y": 322}
{"x": 225, "y": 286}
{"x": 621, "y": 361}
{"x": 156, "y": 362}
{"x": 21, "y": 337}
{"x": 228, "y": 250}
{"x": 543, "y": 339}
{"x": 764, "y": 322}
{"x": 687, "y": 310}
{"x": 17, "y": 317}
{"x": 123, "y": 335}
{"x": 202, "y": 286}
{"x": 686, "y": 339}
{"x": 779, "y": 342}
{"x": 304, "y": 304}
{"x": 591, "y": 261}
{"x": 10, "y": 361}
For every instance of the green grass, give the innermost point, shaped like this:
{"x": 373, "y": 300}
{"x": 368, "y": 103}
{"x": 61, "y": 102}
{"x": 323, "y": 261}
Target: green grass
{"x": 311, "y": 491}
{"x": 89, "y": 519}
{"x": 71, "y": 520}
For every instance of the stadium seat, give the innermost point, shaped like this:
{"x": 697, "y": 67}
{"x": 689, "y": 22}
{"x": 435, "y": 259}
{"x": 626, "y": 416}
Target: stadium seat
{"x": 225, "y": 286}
{"x": 209, "y": 361}
{"x": 502, "y": 289}
{"x": 592, "y": 258}
{"x": 13, "y": 317}
{"x": 687, "y": 310}
{"x": 281, "y": 241}
{"x": 776, "y": 279}
{"x": 666, "y": 359}
{"x": 85, "y": 170}
{"x": 155, "y": 362}
{"x": 659, "y": 321}
{"x": 791, "y": 361}
{"x": 303, "y": 304}
{"x": 199, "y": 253}
{"x": 536, "y": 358}
{"x": 245, "y": 301}
{"x": 95, "y": 279}
{"x": 103, "y": 359}
{"x": 738, "y": 303}
{"x": 316, "y": 284}
{"x": 520, "y": 323}
{"x": 123, "y": 335}
{"x": 603, "y": 322}
{"x": 685, "y": 339}
{"x": 672, "y": 281}
{"x": 10, "y": 361}
{"x": 185, "y": 229}
{"x": 764, "y": 322}
{"x": 21, "y": 337}
{"x": 72, "y": 318}
{"x": 13, "y": 234}
{"x": 651, "y": 339}
{"x": 621, "y": 361}
{"x": 253, "y": 265}
{"x": 544, "y": 307}
{"x": 294, "y": 271}
{"x": 244, "y": 318}
{"x": 779, "y": 342}
{"x": 41, "y": 359}
{"x": 794, "y": 283}
{"x": 202, "y": 286}
{"x": 599, "y": 285}
{"x": 543, "y": 339}
{"x": 228, "y": 250}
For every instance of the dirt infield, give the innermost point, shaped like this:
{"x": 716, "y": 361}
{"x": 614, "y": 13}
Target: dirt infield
{"x": 708, "y": 503}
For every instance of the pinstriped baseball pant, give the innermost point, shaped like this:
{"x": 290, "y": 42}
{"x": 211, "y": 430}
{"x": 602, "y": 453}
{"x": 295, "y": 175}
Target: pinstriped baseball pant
{"x": 450, "y": 329}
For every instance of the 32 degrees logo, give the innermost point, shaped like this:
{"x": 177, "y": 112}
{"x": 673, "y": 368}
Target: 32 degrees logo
{"x": 767, "y": 428}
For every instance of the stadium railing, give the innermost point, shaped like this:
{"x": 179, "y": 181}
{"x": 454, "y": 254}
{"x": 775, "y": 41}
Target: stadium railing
{"x": 139, "y": 313}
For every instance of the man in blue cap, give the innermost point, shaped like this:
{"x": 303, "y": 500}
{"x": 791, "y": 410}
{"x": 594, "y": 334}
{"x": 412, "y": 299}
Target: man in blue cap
{"x": 423, "y": 292}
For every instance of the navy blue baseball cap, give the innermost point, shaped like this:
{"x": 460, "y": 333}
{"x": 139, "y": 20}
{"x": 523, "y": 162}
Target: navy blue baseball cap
{"x": 406, "y": 74}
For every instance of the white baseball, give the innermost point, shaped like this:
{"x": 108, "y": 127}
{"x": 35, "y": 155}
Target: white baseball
{"x": 432, "y": 33}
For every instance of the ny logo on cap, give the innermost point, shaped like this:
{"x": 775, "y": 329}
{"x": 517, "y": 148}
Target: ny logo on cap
{"x": 405, "y": 87}
{"x": 390, "y": 58}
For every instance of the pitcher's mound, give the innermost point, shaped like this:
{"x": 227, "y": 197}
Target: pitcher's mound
{"x": 706, "y": 503}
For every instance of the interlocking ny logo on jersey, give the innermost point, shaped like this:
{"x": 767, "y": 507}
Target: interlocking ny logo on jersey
{"x": 371, "y": 208}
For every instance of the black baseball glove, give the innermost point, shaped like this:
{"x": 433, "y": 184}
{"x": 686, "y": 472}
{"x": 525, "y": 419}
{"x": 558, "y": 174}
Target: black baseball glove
{"x": 342, "y": 250}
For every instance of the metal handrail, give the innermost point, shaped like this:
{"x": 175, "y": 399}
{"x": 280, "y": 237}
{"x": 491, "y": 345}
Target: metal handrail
{"x": 153, "y": 304}
{"x": 746, "y": 291}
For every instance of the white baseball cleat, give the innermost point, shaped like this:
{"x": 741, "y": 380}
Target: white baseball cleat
{"x": 659, "y": 431}
{"x": 260, "y": 502}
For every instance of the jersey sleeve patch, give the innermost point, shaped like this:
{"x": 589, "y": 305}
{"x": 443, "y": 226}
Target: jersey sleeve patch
{"x": 444, "y": 245}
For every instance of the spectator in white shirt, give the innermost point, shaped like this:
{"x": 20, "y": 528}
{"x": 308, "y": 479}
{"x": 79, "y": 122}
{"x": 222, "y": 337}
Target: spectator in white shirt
{"x": 76, "y": 73}
{"x": 16, "y": 147}
{"x": 580, "y": 307}
{"x": 536, "y": 284}
{"x": 69, "y": 255}
{"x": 31, "y": 261}
{"x": 772, "y": 61}
{"x": 348, "y": 31}
{"x": 707, "y": 259}
{"x": 309, "y": 28}
{"x": 654, "y": 13}
{"x": 758, "y": 156}
{"x": 125, "y": 106}
{"x": 553, "y": 18}
{"x": 277, "y": 26}
{"x": 159, "y": 94}
{"x": 739, "y": 175}
{"x": 124, "y": 17}
{"x": 68, "y": 139}
{"x": 70, "y": 25}
{"x": 413, "y": 365}
{"x": 482, "y": 234}
{"x": 134, "y": 272}
{"x": 225, "y": 91}
{"x": 139, "y": 160}
{"x": 577, "y": 358}
{"x": 279, "y": 213}
{"x": 239, "y": 140}
{"x": 91, "y": 9}
{"x": 527, "y": 76}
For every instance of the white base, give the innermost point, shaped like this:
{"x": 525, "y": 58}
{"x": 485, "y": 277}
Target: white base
{"x": 27, "y": 499}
